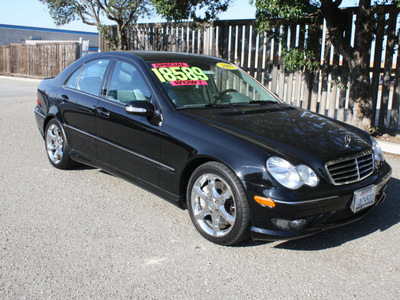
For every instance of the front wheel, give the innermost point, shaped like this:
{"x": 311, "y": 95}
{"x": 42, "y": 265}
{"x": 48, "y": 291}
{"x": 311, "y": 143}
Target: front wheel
{"x": 57, "y": 145}
{"x": 218, "y": 205}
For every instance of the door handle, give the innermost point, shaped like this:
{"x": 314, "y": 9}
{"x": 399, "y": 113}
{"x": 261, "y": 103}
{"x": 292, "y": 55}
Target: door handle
{"x": 64, "y": 98}
{"x": 102, "y": 112}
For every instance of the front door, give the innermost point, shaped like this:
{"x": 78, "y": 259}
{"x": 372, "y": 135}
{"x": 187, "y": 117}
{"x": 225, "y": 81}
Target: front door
{"x": 128, "y": 143}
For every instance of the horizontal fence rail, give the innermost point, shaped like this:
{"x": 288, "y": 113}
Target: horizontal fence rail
{"x": 240, "y": 43}
{"x": 42, "y": 60}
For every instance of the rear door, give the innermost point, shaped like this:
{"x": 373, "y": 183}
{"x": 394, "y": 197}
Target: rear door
{"x": 79, "y": 97}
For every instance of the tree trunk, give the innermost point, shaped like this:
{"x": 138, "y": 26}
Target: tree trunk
{"x": 122, "y": 37}
{"x": 356, "y": 57}
{"x": 361, "y": 94}
{"x": 361, "y": 88}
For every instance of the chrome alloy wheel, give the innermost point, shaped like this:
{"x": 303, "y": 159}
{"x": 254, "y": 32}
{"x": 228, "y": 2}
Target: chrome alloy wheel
{"x": 54, "y": 143}
{"x": 213, "y": 205}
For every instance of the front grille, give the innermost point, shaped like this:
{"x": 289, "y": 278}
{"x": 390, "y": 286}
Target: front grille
{"x": 351, "y": 169}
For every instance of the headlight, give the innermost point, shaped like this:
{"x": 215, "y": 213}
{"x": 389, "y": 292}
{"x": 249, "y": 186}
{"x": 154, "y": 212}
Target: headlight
{"x": 290, "y": 176}
{"x": 378, "y": 154}
{"x": 307, "y": 175}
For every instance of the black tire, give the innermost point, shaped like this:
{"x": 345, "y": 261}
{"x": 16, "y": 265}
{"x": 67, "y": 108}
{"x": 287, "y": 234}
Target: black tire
{"x": 218, "y": 205}
{"x": 57, "y": 147}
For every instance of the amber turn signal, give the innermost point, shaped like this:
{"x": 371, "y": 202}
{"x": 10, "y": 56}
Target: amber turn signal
{"x": 265, "y": 201}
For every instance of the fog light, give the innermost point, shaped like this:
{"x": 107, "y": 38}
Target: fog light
{"x": 283, "y": 224}
{"x": 298, "y": 224}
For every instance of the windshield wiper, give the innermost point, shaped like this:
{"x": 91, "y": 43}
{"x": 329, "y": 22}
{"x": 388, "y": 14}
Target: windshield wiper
{"x": 219, "y": 105}
{"x": 207, "y": 105}
{"x": 228, "y": 104}
{"x": 232, "y": 104}
{"x": 262, "y": 102}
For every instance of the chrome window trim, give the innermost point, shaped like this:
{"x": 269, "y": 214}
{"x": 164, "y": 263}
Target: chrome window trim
{"x": 82, "y": 92}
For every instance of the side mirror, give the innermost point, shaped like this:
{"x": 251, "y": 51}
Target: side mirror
{"x": 140, "y": 108}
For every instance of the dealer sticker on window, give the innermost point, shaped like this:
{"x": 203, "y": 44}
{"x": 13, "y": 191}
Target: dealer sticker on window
{"x": 226, "y": 66}
{"x": 363, "y": 198}
{"x": 178, "y": 73}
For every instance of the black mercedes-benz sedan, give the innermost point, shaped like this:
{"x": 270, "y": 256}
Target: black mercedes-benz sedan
{"x": 201, "y": 133}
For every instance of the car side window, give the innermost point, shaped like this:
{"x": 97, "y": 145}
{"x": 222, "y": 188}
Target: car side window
{"x": 127, "y": 84}
{"x": 73, "y": 79}
{"x": 92, "y": 75}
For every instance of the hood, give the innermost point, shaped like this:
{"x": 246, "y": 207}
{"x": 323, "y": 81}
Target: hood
{"x": 286, "y": 130}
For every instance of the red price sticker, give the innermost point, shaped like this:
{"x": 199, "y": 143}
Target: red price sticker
{"x": 169, "y": 65}
{"x": 188, "y": 82}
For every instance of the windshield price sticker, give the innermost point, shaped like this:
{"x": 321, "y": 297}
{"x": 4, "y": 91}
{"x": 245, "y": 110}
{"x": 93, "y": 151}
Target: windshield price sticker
{"x": 173, "y": 72}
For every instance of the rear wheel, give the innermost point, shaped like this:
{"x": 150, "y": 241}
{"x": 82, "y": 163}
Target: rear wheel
{"x": 57, "y": 145}
{"x": 218, "y": 205}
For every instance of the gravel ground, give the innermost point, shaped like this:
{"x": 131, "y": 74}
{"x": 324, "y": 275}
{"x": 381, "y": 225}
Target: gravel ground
{"x": 86, "y": 234}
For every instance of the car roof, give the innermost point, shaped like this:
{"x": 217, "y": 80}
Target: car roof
{"x": 144, "y": 56}
{"x": 163, "y": 56}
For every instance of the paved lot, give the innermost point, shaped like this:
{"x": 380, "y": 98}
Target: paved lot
{"x": 86, "y": 234}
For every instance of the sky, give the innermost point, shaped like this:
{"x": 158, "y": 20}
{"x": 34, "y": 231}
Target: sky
{"x": 33, "y": 13}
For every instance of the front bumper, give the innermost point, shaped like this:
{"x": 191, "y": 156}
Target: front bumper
{"x": 320, "y": 214}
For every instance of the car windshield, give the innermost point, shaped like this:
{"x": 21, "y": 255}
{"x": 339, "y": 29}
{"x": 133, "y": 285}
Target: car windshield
{"x": 209, "y": 84}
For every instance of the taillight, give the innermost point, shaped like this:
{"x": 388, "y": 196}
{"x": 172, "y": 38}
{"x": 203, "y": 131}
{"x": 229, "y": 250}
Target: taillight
{"x": 38, "y": 101}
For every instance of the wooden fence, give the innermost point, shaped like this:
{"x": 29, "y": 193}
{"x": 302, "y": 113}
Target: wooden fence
{"x": 42, "y": 60}
{"x": 239, "y": 42}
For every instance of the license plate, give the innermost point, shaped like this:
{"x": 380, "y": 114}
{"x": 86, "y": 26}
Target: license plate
{"x": 363, "y": 198}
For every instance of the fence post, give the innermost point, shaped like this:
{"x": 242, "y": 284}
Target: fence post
{"x": 390, "y": 41}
